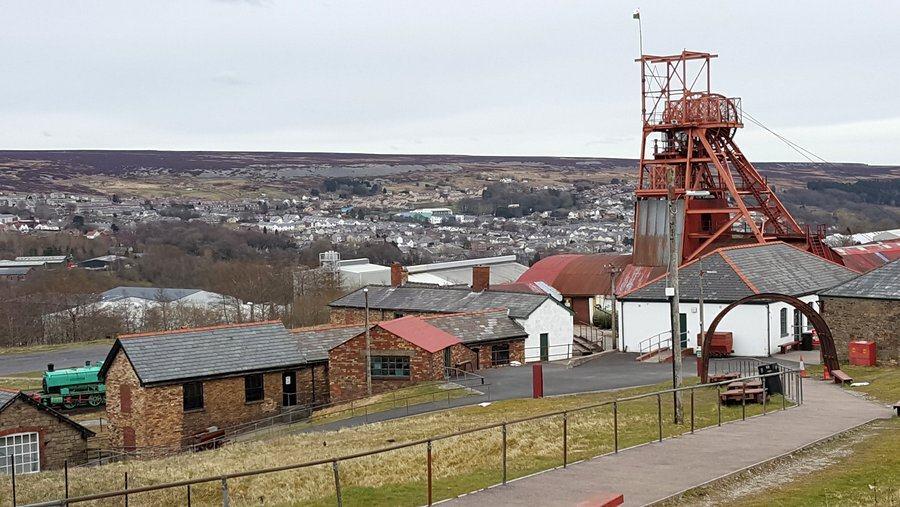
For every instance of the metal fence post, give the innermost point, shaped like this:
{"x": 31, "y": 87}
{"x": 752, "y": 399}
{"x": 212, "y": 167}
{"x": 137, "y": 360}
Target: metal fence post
{"x": 765, "y": 394}
{"x": 616, "y": 426}
{"x": 126, "y": 489}
{"x": 692, "y": 410}
{"x": 659, "y": 414}
{"x": 189, "y": 495}
{"x": 784, "y": 391}
{"x": 719, "y": 404}
{"x": 225, "y": 501}
{"x": 503, "y": 450}
{"x": 66, "y": 477}
{"x": 12, "y": 469}
{"x": 429, "y": 472}
{"x": 337, "y": 483}
{"x": 565, "y": 439}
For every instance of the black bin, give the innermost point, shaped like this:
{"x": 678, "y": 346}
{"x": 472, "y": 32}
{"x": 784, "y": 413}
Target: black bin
{"x": 806, "y": 341}
{"x": 773, "y": 383}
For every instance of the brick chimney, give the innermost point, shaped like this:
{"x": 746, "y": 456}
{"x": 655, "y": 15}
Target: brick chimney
{"x": 398, "y": 275}
{"x": 481, "y": 278}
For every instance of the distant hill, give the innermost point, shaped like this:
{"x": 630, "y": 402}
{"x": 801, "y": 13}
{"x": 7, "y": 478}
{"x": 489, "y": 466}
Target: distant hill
{"x": 168, "y": 172}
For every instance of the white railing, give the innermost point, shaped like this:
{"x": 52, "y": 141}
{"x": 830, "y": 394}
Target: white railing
{"x": 656, "y": 344}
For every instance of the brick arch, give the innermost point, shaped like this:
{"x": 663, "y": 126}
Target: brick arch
{"x": 826, "y": 340}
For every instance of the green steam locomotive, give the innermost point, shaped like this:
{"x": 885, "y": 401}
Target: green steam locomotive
{"x": 70, "y": 388}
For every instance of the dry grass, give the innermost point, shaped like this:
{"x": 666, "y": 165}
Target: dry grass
{"x": 461, "y": 464}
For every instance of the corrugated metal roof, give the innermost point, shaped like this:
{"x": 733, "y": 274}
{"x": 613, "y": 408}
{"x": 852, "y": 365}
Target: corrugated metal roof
{"x": 149, "y": 293}
{"x": 577, "y": 275}
{"x": 420, "y": 333}
{"x": 209, "y": 352}
{"x": 547, "y": 269}
{"x": 864, "y": 258}
{"x": 13, "y": 271}
{"x": 442, "y": 300}
{"x": 881, "y": 283}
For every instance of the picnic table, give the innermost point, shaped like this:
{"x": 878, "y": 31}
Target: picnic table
{"x": 722, "y": 377}
{"x": 740, "y": 392}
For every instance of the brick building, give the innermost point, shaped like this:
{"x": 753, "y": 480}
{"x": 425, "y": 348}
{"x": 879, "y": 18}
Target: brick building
{"x": 414, "y": 349}
{"x": 36, "y": 436}
{"x": 866, "y": 308}
{"x": 163, "y": 389}
{"x": 547, "y": 322}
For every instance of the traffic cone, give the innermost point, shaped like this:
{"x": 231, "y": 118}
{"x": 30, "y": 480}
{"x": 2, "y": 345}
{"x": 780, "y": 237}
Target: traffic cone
{"x": 826, "y": 375}
{"x": 803, "y": 373}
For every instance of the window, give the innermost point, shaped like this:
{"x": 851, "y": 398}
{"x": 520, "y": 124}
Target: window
{"x": 125, "y": 399}
{"x": 390, "y": 366}
{"x": 25, "y": 450}
{"x": 253, "y": 387}
{"x": 784, "y": 325}
{"x": 500, "y": 354}
{"x": 193, "y": 396}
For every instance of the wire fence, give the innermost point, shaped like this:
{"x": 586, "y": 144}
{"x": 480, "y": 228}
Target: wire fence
{"x": 578, "y": 438}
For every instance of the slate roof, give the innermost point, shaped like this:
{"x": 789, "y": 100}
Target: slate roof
{"x": 420, "y": 332}
{"x": 319, "y": 340}
{"x": 6, "y": 397}
{"x": 475, "y": 327}
{"x": 881, "y": 283}
{"x": 442, "y": 300}
{"x": 235, "y": 349}
{"x": 747, "y": 270}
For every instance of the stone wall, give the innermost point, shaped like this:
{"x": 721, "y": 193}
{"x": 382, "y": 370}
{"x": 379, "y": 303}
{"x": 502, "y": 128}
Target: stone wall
{"x": 157, "y": 413}
{"x": 59, "y": 441}
{"x": 852, "y": 319}
{"x": 485, "y": 351}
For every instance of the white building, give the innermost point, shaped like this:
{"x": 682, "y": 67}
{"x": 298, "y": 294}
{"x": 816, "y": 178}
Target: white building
{"x": 730, "y": 274}
{"x": 358, "y": 272}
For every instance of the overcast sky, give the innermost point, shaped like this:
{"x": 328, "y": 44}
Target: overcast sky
{"x": 480, "y": 77}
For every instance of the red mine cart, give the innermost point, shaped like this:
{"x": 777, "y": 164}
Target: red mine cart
{"x": 862, "y": 353}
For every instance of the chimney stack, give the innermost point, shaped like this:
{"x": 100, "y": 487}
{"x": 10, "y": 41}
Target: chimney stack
{"x": 481, "y": 278}
{"x": 398, "y": 275}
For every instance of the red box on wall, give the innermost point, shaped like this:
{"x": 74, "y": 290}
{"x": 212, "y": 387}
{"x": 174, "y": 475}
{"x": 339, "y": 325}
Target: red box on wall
{"x": 862, "y": 353}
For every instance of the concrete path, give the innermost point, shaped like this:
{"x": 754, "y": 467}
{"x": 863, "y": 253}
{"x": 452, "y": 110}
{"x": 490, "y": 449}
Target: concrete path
{"x": 652, "y": 472}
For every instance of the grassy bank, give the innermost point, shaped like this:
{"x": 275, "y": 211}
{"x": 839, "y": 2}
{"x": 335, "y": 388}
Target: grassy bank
{"x": 26, "y": 381}
{"x": 461, "y": 464}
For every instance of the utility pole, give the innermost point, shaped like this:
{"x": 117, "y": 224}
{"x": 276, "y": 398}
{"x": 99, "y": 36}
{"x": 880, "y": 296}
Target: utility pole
{"x": 674, "y": 301}
{"x": 368, "y": 346}
{"x": 702, "y": 342}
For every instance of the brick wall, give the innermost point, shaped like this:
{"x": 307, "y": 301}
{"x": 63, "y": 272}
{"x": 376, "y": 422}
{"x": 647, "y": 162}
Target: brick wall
{"x": 157, "y": 414}
{"x": 59, "y": 441}
{"x": 864, "y": 319}
{"x": 358, "y": 315}
{"x": 485, "y": 352}
{"x": 347, "y": 364}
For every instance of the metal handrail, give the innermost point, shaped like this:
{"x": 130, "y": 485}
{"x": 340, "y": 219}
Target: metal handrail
{"x": 657, "y": 340}
{"x": 797, "y": 391}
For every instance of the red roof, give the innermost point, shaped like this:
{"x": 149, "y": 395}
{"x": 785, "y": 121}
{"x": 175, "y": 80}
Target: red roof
{"x": 864, "y": 258}
{"x": 417, "y": 331}
{"x": 576, "y": 275}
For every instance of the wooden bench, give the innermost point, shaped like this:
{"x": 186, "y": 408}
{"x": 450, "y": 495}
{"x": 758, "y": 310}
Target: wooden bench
{"x": 841, "y": 377}
{"x": 789, "y": 346}
{"x": 755, "y": 394}
{"x": 750, "y": 384}
{"x": 722, "y": 377}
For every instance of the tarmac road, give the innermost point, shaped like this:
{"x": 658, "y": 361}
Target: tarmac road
{"x": 61, "y": 358}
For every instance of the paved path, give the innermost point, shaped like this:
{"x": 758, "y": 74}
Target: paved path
{"x": 61, "y": 358}
{"x": 656, "y": 471}
{"x": 611, "y": 371}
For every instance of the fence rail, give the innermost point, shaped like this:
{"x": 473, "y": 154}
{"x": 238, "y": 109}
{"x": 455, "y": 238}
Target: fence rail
{"x": 790, "y": 380}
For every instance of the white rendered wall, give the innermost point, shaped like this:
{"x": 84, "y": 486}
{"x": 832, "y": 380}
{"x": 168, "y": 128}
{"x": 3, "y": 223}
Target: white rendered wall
{"x": 557, "y": 322}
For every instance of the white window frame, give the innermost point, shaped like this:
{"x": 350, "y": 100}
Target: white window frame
{"x": 26, "y": 448}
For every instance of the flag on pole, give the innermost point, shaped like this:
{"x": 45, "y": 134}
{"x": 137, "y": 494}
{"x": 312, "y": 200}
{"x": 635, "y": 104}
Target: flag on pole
{"x": 636, "y": 15}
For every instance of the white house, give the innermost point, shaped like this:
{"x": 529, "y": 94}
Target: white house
{"x": 731, "y": 273}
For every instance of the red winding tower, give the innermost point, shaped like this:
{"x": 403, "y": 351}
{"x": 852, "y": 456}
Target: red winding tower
{"x": 720, "y": 198}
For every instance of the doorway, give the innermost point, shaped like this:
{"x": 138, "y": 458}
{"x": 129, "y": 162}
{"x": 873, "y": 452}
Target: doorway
{"x": 289, "y": 389}
{"x": 545, "y": 347}
{"x": 682, "y": 330}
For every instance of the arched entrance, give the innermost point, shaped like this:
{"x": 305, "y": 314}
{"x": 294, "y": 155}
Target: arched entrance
{"x": 826, "y": 341}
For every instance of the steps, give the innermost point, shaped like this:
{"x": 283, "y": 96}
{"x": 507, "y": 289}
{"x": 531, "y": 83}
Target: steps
{"x": 583, "y": 347}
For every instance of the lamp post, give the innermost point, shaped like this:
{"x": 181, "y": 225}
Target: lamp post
{"x": 368, "y": 346}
